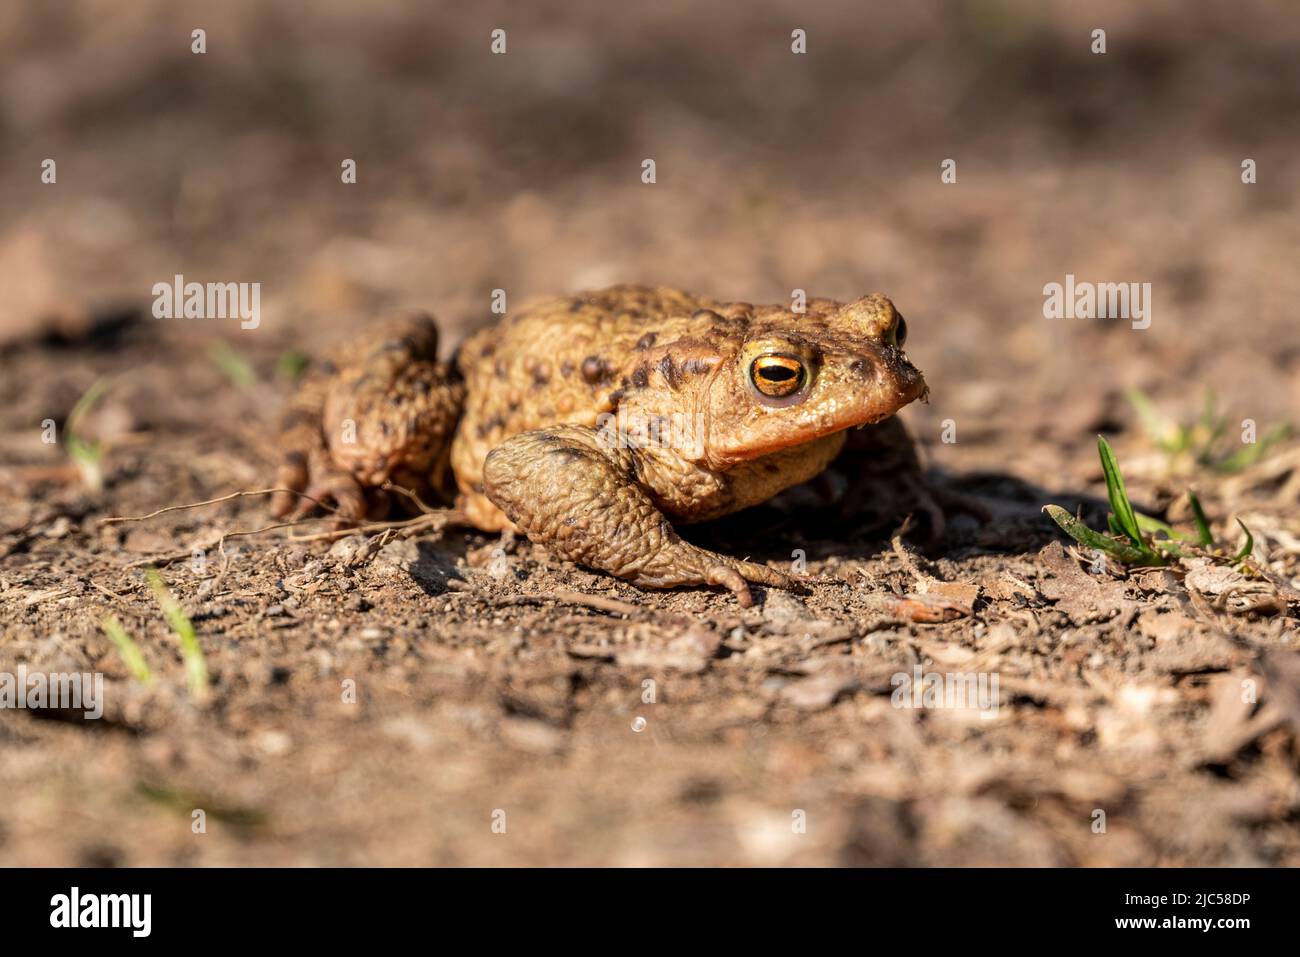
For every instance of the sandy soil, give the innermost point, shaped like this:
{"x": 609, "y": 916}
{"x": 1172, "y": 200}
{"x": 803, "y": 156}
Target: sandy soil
{"x": 401, "y": 697}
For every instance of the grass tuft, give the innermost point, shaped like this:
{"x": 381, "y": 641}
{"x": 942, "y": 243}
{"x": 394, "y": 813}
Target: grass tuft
{"x": 1201, "y": 443}
{"x": 1134, "y": 538}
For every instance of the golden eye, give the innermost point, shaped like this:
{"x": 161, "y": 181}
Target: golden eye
{"x": 777, "y": 376}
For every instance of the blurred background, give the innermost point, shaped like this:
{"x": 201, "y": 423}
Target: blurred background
{"x": 775, "y": 171}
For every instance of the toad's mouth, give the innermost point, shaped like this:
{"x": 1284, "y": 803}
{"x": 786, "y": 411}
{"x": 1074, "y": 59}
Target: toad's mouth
{"x": 894, "y": 384}
{"x": 924, "y": 396}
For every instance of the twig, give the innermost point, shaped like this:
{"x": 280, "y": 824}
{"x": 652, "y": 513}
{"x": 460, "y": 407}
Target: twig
{"x": 114, "y": 596}
{"x": 113, "y": 520}
{"x": 419, "y": 503}
{"x": 923, "y": 580}
{"x": 448, "y": 516}
{"x": 178, "y": 556}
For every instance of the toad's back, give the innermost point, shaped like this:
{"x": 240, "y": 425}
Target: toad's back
{"x": 570, "y": 359}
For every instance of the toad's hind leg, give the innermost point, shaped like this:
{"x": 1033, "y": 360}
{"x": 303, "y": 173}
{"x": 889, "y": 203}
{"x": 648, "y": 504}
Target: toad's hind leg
{"x": 381, "y": 409}
{"x": 569, "y": 491}
{"x": 306, "y": 474}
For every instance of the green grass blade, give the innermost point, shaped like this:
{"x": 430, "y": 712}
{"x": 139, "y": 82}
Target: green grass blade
{"x": 1153, "y": 526}
{"x": 185, "y": 801}
{"x": 1115, "y": 490}
{"x": 88, "y": 457}
{"x": 1167, "y": 547}
{"x": 89, "y": 399}
{"x": 128, "y": 649}
{"x": 1209, "y": 409}
{"x": 1216, "y": 433}
{"x": 1153, "y": 423}
{"x": 1121, "y": 551}
{"x": 1202, "y": 526}
{"x": 237, "y": 369}
{"x": 86, "y": 454}
{"x": 291, "y": 364}
{"x": 1250, "y": 543}
{"x": 1248, "y": 455}
{"x": 196, "y": 668}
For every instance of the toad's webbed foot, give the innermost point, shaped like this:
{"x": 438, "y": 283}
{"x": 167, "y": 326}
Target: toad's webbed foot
{"x": 318, "y": 483}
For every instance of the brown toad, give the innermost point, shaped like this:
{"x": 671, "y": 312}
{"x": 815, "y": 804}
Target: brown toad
{"x": 593, "y": 423}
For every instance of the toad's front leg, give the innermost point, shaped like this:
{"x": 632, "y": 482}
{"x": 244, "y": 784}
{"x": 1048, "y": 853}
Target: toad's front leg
{"x": 886, "y": 482}
{"x": 568, "y": 490}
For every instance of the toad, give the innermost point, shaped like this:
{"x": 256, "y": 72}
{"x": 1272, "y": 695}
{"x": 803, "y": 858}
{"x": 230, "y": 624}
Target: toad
{"x": 596, "y": 423}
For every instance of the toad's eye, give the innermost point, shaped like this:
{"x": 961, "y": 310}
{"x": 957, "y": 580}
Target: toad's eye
{"x": 777, "y": 376}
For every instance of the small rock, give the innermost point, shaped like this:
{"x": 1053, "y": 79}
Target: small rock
{"x": 411, "y": 731}
{"x": 58, "y": 528}
{"x": 397, "y": 556}
{"x": 345, "y": 548}
{"x": 689, "y": 652}
{"x": 273, "y": 743}
{"x": 697, "y": 641}
{"x": 1215, "y": 580}
{"x": 781, "y": 606}
{"x": 532, "y": 736}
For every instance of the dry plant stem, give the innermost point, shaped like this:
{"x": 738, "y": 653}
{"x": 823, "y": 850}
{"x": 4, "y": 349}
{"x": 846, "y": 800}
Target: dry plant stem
{"x": 433, "y": 520}
{"x": 116, "y": 519}
{"x": 598, "y": 602}
{"x": 908, "y": 560}
{"x": 419, "y": 503}
{"x": 178, "y": 556}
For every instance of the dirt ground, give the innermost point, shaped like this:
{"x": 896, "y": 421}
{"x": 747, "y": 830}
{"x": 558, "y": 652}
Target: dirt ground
{"x": 416, "y": 698}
